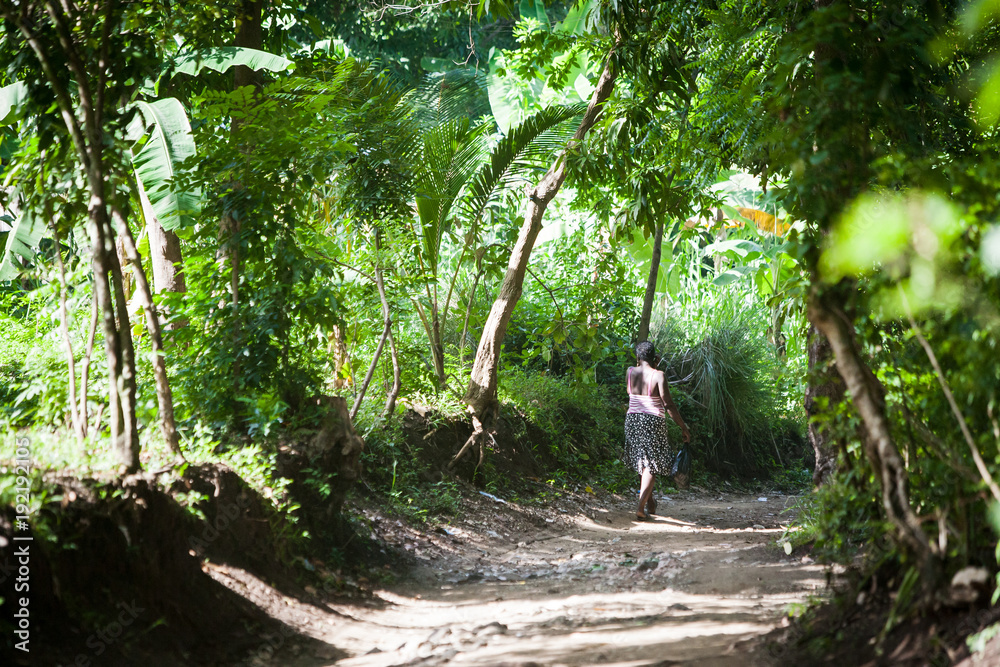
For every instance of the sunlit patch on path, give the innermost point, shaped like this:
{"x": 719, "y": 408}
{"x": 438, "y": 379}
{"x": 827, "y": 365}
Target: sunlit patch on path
{"x": 688, "y": 587}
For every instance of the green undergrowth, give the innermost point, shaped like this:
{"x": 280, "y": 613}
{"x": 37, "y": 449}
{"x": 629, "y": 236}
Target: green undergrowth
{"x": 575, "y": 432}
{"x": 741, "y": 397}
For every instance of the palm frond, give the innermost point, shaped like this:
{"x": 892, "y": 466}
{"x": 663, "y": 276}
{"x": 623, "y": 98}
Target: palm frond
{"x": 452, "y": 152}
{"x": 446, "y": 96}
{"x": 536, "y": 139}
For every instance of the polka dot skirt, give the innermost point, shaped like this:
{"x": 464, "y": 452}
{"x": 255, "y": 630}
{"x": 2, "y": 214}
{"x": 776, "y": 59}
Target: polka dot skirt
{"x": 646, "y": 444}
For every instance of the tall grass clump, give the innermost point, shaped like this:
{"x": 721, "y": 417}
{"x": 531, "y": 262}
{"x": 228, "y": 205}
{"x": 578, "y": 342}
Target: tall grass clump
{"x": 723, "y": 373}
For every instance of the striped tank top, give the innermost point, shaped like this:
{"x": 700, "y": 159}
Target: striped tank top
{"x": 644, "y": 404}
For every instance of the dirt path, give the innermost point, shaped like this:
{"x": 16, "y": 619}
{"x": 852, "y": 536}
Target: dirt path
{"x": 576, "y": 583}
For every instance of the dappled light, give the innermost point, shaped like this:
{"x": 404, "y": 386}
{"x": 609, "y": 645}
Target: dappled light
{"x": 548, "y": 332}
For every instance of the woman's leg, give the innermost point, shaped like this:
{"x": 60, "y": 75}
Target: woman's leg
{"x": 645, "y": 490}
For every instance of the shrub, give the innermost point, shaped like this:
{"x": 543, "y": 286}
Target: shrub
{"x": 723, "y": 370}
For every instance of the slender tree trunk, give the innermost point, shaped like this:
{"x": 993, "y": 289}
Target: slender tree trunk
{"x": 371, "y": 369}
{"x": 164, "y": 397}
{"x": 128, "y": 282}
{"x": 868, "y": 396}
{"x": 438, "y": 345}
{"x": 390, "y": 399}
{"x": 654, "y": 269}
{"x": 78, "y": 428}
{"x": 481, "y": 395}
{"x": 465, "y": 324}
{"x": 85, "y": 372}
{"x": 430, "y": 328}
{"x": 128, "y": 452}
{"x": 249, "y": 34}
{"x": 823, "y": 383}
{"x": 102, "y": 248}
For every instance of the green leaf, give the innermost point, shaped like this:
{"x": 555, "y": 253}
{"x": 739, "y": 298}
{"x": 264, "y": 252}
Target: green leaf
{"x": 156, "y": 164}
{"x": 451, "y": 154}
{"x": 21, "y": 242}
{"x": 11, "y": 99}
{"x": 741, "y": 247}
{"x": 731, "y": 276}
{"x": 534, "y": 9}
{"x": 511, "y": 98}
{"x": 222, "y": 58}
{"x": 674, "y": 281}
{"x": 993, "y": 516}
{"x": 577, "y": 18}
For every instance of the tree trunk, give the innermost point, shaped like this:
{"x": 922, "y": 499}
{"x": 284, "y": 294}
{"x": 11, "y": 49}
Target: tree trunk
{"x": 430, "y": 325}
{"x": 124, "y": 439}
{"x": 164, "y": 397}
{"x": 823, "y": 382}
{"x": 647, "y": 302}
{"x": 78, "y": 427}
{"x": 249, "y": 34}
{"x": 128, "y": 281}
{"x": 437, "y": 345}
{"x": 390, "y": 399}
{"x": 371, "y": 369}
{"x": 868, "y": 396}
{"x": 481, "y": 395}
{"x": 338, "y": 350}
{"x": 164, "y": 252}
{"x": 85, "y": 373}
{"x": 128, "y": 447}
{"x": 465, "y": 324}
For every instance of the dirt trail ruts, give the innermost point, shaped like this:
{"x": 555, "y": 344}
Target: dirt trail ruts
{"x": 578, "y": 583}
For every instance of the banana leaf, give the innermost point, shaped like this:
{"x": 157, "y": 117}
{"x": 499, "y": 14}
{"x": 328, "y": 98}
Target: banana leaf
{"x": 156, "y": 163}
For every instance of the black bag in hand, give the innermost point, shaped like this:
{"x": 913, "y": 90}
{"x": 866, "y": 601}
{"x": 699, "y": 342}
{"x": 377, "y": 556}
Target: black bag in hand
{"x": 681, "y": 471}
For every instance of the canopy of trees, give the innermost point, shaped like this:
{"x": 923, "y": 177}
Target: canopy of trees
{"x": 251, "y": 207}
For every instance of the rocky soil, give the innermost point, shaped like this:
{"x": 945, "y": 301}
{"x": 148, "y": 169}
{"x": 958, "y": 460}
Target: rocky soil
{"x": 576, "y": 582}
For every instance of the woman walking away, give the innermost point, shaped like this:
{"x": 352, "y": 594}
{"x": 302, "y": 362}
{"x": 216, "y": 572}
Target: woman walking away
{"x": 647, "y": 448}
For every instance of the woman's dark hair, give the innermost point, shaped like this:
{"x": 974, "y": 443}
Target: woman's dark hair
{"x": 646, "y": 352}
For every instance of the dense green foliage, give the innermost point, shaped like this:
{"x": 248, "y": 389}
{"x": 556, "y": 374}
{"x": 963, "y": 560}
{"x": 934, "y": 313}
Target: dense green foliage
{"x": 351, "y": 213}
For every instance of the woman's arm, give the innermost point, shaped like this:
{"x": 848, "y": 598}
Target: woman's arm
{"x": 668, "y": 403}
{"x": 628, "y": 380}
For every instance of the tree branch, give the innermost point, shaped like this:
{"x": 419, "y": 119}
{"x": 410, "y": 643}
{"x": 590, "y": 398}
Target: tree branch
{"x": 976, "y": 456}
